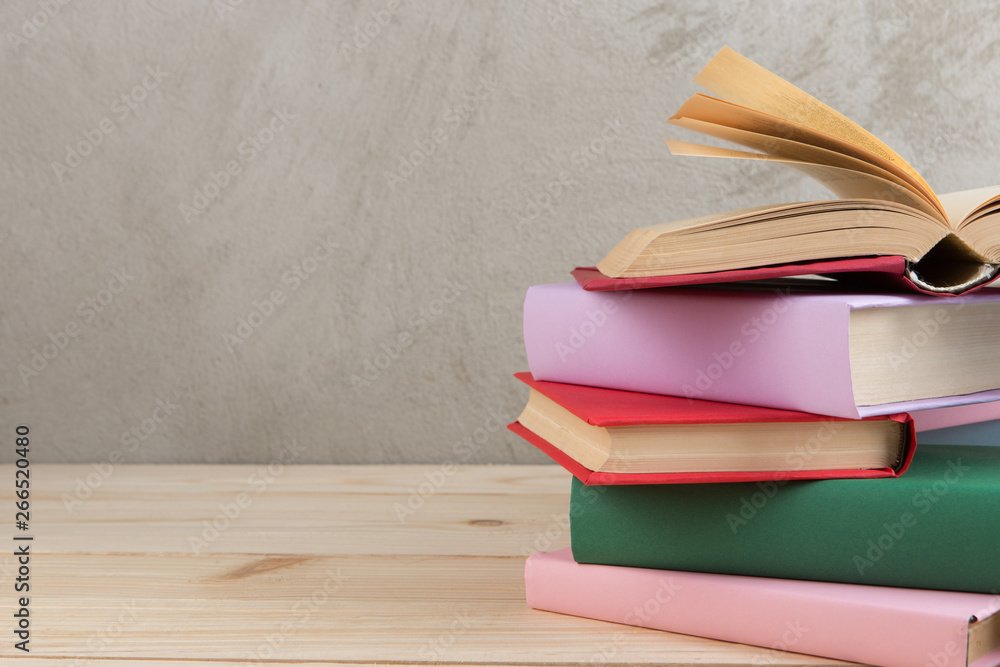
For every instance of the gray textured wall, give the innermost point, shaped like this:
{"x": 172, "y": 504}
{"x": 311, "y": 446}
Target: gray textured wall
{"x": 253, "y": 160}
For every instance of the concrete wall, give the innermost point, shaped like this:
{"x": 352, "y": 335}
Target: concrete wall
{"x": 168, "y": 169}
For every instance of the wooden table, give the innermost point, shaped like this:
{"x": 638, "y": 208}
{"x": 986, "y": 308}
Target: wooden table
{"x": 174, "y": 566}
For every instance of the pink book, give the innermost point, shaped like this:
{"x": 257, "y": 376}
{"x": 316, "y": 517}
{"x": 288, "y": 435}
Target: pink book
{"x": 878, "y": 625}
{"x": 771, "y": 347}
{"x": 960, "y": 415}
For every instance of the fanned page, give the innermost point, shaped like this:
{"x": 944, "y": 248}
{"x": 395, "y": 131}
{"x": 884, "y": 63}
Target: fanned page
{"x": 726, "y": 116}
{"x": 786, "y": 148}
{"x": 845, "y": 182}
{"x": 733, "y": 77}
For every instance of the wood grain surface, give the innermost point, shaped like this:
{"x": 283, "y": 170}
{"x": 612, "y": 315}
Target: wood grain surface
{"x": 309, "y": 565}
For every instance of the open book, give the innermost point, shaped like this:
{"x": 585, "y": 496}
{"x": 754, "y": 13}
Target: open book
{"x": 950, "y": 243}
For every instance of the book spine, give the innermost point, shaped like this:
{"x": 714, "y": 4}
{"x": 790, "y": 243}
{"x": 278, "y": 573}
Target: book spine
{"x": 935, "y": 527}
{"x": 767, "y": 349}
{"x": 831, "y": 620}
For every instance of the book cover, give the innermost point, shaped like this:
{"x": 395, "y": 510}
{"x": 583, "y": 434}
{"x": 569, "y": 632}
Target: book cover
{"x": 610, "y": 408}
{"x": 775, "y": 348}
{"x": 937, "y": 526}
{"x": 879, "y": 625}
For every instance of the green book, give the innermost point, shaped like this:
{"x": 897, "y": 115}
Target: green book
{"x": 936, "y": 526}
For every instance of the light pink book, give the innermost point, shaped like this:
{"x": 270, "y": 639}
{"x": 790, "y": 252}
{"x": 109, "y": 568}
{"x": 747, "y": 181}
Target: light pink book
{"x": 960, "y": 415}
{"x": 877, "y": 625}
{"x": 771, "y": 348}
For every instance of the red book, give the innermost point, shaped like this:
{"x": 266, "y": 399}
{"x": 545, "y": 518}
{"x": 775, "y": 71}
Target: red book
{"x": 607, "y": 436}
{"x": 887, "y": 274}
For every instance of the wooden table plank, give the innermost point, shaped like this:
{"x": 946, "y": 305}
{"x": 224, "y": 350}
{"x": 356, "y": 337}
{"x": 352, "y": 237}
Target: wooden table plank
{"x": 317, "y": 569}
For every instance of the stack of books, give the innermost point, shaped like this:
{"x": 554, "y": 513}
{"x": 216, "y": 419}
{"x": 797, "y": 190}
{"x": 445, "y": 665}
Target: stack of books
{"x": 738, "y": 398}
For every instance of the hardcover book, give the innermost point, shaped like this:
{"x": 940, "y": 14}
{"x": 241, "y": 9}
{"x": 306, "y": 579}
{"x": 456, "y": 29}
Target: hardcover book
{"x": 606, "y": 436}
{"x": 826, "y": 352}
{"x": 983, "y": 434}
{"x": 936, "y": 527}
{"x": 893, "y": 627}
{"x": 944, "y": 244}
{"x": 960, "y": 415}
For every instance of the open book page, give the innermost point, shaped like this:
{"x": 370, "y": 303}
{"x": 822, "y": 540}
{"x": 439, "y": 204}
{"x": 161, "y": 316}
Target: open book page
{"x": 719, "y": 220}
{"x": 714, "y": 111}
{"x": 845, "y": 183}
{"x": 794, "y": 150}
{"x": 742, "y": 81}
{"x": 966, "y": 204}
